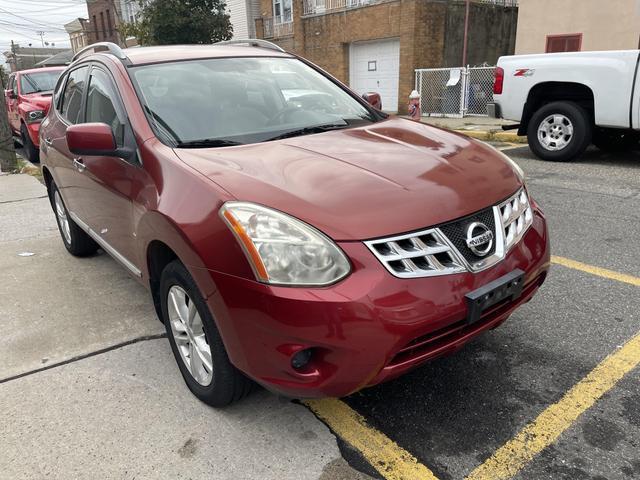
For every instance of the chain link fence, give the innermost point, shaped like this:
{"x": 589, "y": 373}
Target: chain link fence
{"x": 455, "y": 92}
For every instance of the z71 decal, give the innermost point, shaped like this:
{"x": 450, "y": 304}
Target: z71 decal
{"x": 524, "y": 72}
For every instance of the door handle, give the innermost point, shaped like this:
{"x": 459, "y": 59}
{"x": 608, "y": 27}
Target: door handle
{"x": 48, "y": 141}
{"x": 77, "y": 163}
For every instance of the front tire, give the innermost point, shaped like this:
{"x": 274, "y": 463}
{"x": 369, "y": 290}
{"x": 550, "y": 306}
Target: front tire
{"x": 75, "y": 240}
{"x": 30, "y": 150}
{"x": 196, "y": 342}
{"x": 559, "y": 131}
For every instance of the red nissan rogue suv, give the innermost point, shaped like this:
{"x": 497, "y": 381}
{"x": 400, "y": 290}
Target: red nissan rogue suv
{"x": 289, "y": 233}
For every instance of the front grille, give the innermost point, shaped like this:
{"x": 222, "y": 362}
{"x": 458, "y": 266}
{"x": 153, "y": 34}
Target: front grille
{"x": 516, "y": 216}
{"x": 420, "y": 254}
{"x": 456, "y": 232}
{"x": 443, "y": 250}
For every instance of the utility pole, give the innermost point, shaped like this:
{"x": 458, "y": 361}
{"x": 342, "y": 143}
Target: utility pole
{"x": 465, "y": 41}
{"x": 8, "y": 161}
{"x": 41, "y": 34}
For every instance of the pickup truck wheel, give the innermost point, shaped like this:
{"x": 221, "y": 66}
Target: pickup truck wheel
{"x": 614, "y": 140}
{"x": 196, "y": 342}
{"x": 559, "y": 131}
{"x": 30, "y": 150}
{"x": 75, "y": 240}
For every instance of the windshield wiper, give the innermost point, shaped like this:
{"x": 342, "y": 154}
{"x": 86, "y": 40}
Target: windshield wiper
{"x": 308, "y": 130}
{"x": 208, "y": 142}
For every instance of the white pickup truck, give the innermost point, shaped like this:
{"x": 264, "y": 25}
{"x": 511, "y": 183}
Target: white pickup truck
{"x": 564, "y": 102}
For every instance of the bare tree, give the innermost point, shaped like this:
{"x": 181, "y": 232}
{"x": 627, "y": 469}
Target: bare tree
{"x": 8, "y": 161}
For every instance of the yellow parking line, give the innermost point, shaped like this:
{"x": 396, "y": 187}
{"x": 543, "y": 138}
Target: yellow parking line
{"x": 390, "y": 460}
{"x": 601, "y": 272}
{"x": 550, "y": 424}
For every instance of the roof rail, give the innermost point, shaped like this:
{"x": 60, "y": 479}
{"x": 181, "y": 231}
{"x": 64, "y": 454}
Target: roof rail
{"x": 112, "y": 48}
{"x": 252, "y": 42}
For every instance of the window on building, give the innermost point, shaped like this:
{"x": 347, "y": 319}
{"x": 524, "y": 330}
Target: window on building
{"x": 564, "y": 43}
{"x": 283, "y": 11}
{"x": 109, "y": 23}
{"x": 94, "y": 26}
{"x": 104, "y": 30}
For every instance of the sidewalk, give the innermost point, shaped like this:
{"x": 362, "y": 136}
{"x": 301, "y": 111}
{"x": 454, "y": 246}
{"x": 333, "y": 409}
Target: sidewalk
{"x": 483, "y": 128}
{"x": 89, "y": 390}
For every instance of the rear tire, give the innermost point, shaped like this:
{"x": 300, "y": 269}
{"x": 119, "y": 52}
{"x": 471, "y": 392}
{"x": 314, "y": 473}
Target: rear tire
{"x": 196, "y": 342}
{"x": 559, "y": 131}
{"x": 31, "y": 151}
{"x": 610, "y": 140}
{"x": 75, "y": 240}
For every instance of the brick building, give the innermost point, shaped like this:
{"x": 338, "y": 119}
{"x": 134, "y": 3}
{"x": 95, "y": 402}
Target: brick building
{"x": 577, "y": 25}
{"x": 78, "y": 30}
{"x": 375, "y": 45}
{"x": 103, "y": 21}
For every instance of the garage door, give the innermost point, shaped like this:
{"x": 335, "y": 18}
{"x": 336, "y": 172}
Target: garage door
{"x": 374, "y": 67}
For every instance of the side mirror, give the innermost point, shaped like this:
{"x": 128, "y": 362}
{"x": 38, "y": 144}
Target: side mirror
{"x": 8, "y": 93}
{"x": 373, "y": 99}
{"x": 95, "y": 139}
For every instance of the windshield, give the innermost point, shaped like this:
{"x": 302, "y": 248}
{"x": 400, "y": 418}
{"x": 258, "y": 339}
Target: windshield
{"x": 228, "y": 101}
{"x": 38, "y": 82}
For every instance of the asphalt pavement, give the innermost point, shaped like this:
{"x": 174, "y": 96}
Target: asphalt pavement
{"x": 88, "y": 390}
{"x": 453, "y": 413}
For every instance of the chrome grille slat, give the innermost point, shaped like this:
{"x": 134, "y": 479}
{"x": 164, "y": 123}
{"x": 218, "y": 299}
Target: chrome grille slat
{"x": 516, "y": 216}
{"x": 431, "y": 253}
{"x": 407, "y": 258}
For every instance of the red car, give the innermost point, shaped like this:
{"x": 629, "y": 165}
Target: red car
{"x": 28, "y": 98}
{"x": 307, "y": 241}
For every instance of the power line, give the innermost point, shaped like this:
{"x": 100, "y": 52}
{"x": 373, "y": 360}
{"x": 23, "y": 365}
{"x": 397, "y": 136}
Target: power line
{"x": 37, "y": 23}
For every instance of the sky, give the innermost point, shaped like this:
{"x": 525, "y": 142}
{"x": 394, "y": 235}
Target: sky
{"x": 21, "y": 20}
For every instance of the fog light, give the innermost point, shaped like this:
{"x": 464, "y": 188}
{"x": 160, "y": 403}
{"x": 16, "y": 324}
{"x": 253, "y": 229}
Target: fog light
{"x": 301, "y": 358}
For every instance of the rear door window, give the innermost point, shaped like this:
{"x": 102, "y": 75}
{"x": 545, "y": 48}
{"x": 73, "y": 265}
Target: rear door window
{"x": 72, "y": 96}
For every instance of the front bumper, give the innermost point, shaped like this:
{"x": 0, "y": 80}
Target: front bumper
{"x": 34, "y": 133}
{"x": 368, "y": 328}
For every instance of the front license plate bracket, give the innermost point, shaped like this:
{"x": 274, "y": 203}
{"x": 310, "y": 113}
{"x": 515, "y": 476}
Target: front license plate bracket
{"x": 508, "y": 286}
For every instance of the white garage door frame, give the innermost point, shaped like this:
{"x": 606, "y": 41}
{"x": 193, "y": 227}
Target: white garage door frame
{"x": 374, "y": 66}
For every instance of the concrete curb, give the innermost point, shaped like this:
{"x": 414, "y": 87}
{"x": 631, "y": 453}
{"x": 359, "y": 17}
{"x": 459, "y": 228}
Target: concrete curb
{"x": 492, "y": 135}
{"x": 28, "y": 167}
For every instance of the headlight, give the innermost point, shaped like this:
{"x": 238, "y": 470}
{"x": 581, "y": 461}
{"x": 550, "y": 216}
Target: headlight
{"x": 283, "y": 250}
{"x": 34, "y": 116}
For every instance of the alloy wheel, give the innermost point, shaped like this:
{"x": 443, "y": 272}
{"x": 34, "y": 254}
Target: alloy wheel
{"x": 555, "y": 132}
{"x": 63, "y": 219}
{"x": 188, "y": 333}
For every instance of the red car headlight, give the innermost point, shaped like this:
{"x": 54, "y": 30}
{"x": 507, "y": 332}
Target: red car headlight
{"x": 283, "y": 250}
{"x": 34, "y": 116}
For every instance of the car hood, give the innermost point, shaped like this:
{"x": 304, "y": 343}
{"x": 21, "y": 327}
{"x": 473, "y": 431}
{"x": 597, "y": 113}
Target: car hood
{"x": 39, "y": 100}
{"x": 386, "y": 178}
